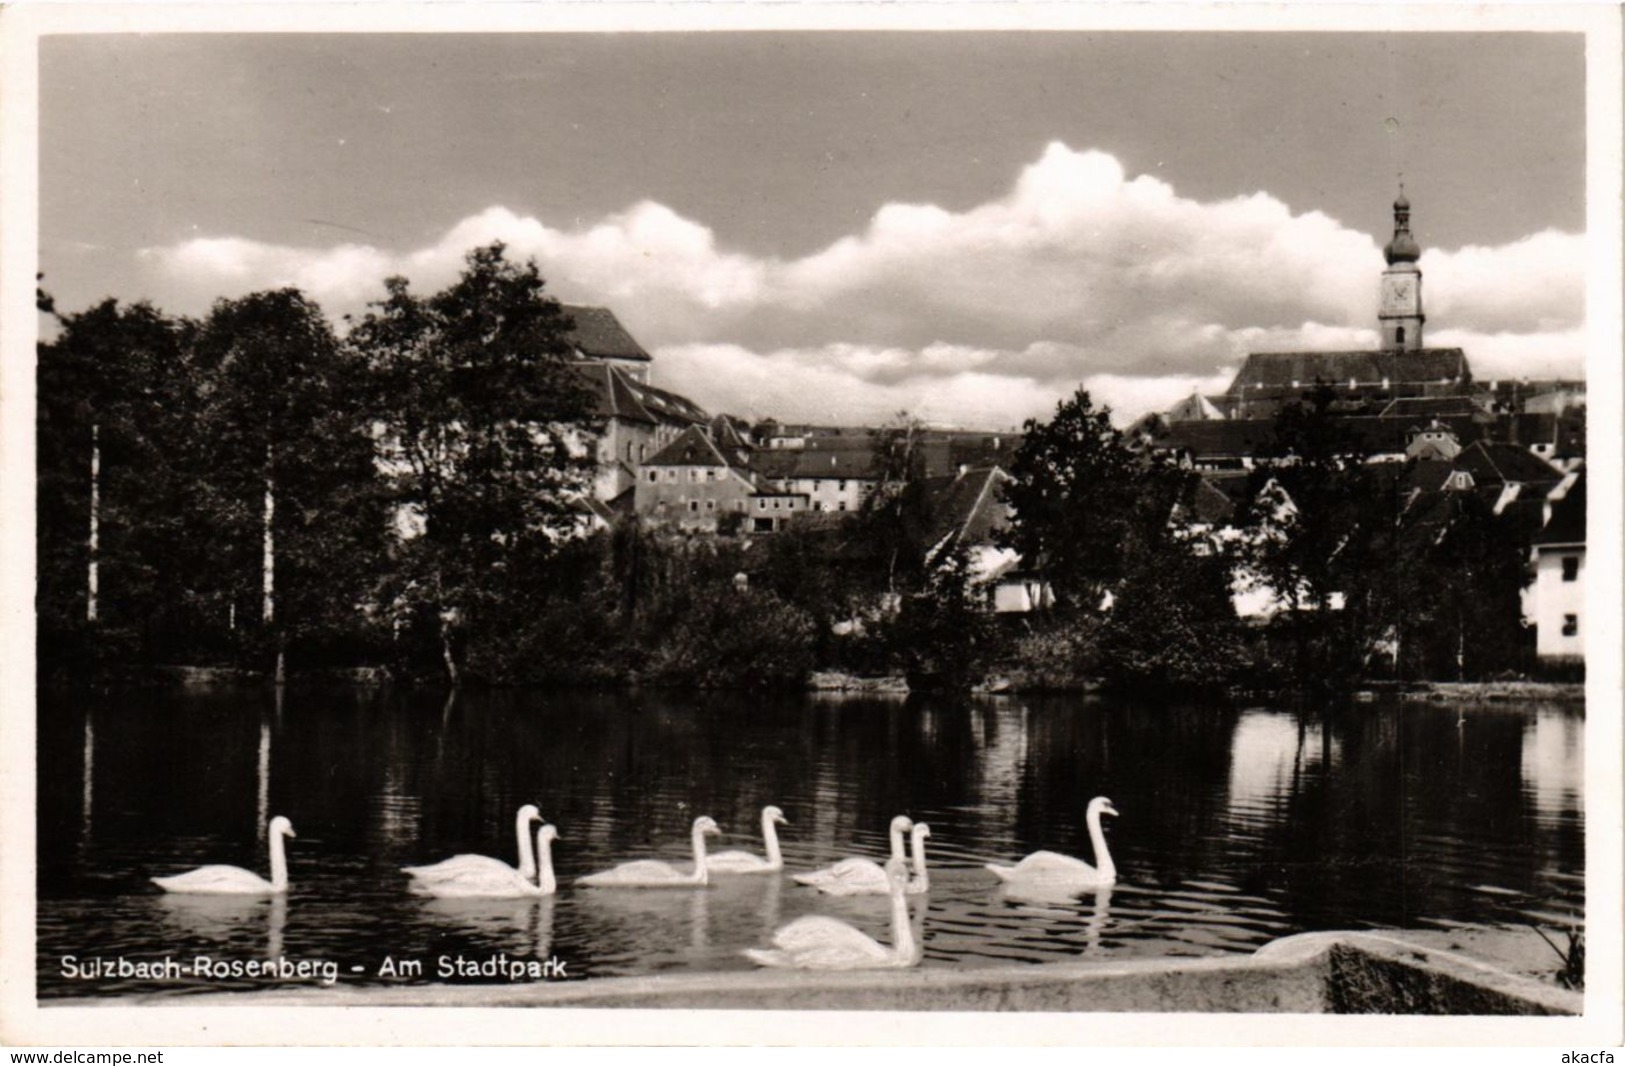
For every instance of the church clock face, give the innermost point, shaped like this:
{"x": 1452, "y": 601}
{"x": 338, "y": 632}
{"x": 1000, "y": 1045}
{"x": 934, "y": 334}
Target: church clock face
{"x": 1399, "y": 295}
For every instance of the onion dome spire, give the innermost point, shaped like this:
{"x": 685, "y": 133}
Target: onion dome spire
{"x": 1403, "y": 247}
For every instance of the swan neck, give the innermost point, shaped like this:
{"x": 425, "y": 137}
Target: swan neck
{"x": 1103, "y": 857}
{"x": 919, "y": 857}
{"x": 902, "y": 933}
{"x": 770, "y": 836}
{"x": 279, "y": 863}
{"x": 897, "y": 844}
{"x": 700, "y": 872}
{"x": 544, "y": 867}
{"x": 527, "y": 857}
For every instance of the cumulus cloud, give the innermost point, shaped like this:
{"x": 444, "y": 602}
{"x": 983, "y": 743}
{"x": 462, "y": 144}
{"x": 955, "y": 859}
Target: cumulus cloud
{"x": 1081, "y": 273}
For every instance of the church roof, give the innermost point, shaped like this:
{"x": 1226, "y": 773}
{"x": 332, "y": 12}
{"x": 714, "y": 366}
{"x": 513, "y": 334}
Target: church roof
{"x": 1302, "y": 370}
{"x": 598, "y": 334}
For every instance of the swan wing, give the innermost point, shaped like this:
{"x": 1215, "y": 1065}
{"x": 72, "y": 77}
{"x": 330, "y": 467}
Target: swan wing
{"x": 233, "y": 880}
{"x": 738, "y": 862}
{"x": 460, "y": 867}
{"x": 645, "y": 872}
{"x": 849, "y": 877}
{"x": 1049, "y": 866}
{"x": 502, "y": 882}
{"x": 814, "y": 930}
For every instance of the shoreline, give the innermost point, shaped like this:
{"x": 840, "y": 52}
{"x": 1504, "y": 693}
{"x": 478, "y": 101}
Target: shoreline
{"x": 837, "y": 683}
{"x": 1482, "y": 970}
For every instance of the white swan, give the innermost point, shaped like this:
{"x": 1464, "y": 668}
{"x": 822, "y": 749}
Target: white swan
{"x": 860, "y": 871}
{"x": 820, "y": 943}
{"x": 1050, "y": 870}
{"x": 863, "y": 877}
{"x": 498, "y": 880}
{"x": 743, "y": 862}
{"x": 234, "y": 880}
{"x": 652, "y": 873}
{"x": 472, "y": 870}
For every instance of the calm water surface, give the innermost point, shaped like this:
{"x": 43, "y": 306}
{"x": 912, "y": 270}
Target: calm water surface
{"x": 1237, "y": 826}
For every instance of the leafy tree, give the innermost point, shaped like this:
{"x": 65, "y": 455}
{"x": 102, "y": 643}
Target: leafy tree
{"x": 483, "y": 422}
{"x": 1323, "y": 543}
{"x": 943, "y": 632}
{"x": 1172, "y": 626}
{"x": 115, "y": 396}
{"x": 290, "y": 482}
{"x": 1082, "y": 501}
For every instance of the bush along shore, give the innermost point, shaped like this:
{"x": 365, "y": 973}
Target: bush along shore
{"x": 635, "y": 606}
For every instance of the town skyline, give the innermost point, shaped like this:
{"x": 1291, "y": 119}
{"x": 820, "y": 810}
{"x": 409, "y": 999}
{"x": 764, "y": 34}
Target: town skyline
{"x": 963, "y": 226}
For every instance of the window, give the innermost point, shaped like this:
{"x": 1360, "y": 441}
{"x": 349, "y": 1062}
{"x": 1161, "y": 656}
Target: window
{"x": 1571, "y": 625}
{"x": 710, "y": 505}
{"x": 841, "y": 485}
{"x": 1571, "y": 568}
{"x": 761, "y": 505}
{"x": 654, "y": 476}
{"x": 762, "y": 525}
{"x": 694, "y": 475}
{"x": 710, "y": 475}
{"x": 775, "y": 505}
{"x": 1399, "y": 335}
{"x": 843, "y": 505}
{"x": 693, "y": 505}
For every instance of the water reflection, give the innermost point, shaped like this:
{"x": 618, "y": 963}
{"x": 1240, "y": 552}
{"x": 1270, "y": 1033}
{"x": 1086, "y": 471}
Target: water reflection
{"x": 1237, "y": 826}
{"x": 521, "y": 926}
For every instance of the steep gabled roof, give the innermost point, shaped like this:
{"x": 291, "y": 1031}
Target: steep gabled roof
{"x": 1568, "y": 522}
{"x": 1493, "y": 463}
{"x": 1422, "y": 407}
{"x": 1194, "y": 408}
{"x": 614, "y": 394}
{"x": 967, "y": 508}
{"x": 691, "y": 448}
{"x": 598, "y": 334}
{"x": 1303, "y": 369}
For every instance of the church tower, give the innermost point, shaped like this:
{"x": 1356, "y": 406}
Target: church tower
{"x": 1399, "y": 308}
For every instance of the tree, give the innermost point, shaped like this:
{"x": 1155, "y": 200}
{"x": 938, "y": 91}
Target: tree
{"x": 116, "y": 395}
{"x": 1081, "y": 500}
{"x": 1172, "y": 626}
{"x": 290, "y": 483}
{"x": 1321, "y": 532}
{"x": 942, "y": 631}
{"x": 484, "y": 425}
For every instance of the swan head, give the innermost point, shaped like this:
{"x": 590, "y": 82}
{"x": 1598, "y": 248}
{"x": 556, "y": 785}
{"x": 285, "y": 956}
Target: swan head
{"x": 922, "y": 831}
{"x": 280, "y": 825}
{"x": 902, "y": 824}
{"x": 529, "y": 813}
{"x": 773, "y": 814}
{"x": 547, "y": 832}
{"x": 1101, "y": 805}
{"x": 705, "y": 824}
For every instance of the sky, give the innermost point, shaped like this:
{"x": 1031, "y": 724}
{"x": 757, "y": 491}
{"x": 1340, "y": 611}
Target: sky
{"x": 837, "y": 226}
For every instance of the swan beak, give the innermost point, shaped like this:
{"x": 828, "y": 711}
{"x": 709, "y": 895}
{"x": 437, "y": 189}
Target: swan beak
{"x": 782, "y": 820}
{"x": 289, "y": 832}
{"x": 1109, "y": 809}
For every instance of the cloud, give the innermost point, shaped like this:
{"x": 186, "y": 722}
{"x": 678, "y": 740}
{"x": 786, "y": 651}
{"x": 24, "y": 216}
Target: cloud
{"x": 1080, "y": 273}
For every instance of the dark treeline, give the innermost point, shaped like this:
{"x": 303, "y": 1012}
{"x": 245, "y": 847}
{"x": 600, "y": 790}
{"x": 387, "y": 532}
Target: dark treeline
{"x": 254, "y": 490}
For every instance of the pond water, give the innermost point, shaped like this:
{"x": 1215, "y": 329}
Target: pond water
{"x": 1236, "y": 826}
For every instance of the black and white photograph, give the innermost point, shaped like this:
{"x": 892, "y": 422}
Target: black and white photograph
{"x": 948, "y": 514}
